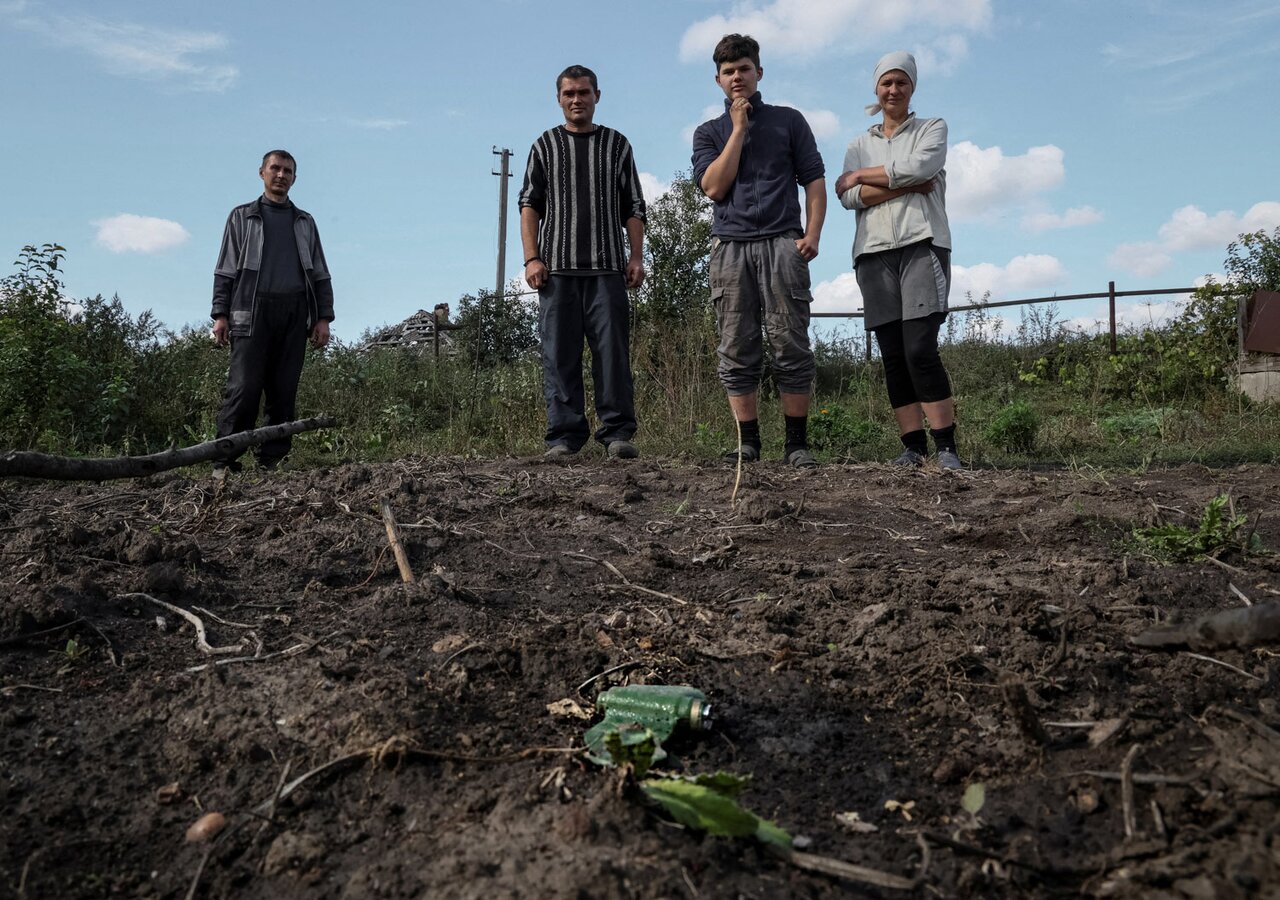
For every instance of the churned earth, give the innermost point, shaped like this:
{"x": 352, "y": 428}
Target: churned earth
{"x": 874, "y": 644}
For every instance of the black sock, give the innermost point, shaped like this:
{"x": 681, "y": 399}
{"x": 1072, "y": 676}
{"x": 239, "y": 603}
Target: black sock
{"x": 797, "y": 434}
{"x": 915, "y": 440}
{"x": 750, "y": 433}
{"x": 944, "y": 438}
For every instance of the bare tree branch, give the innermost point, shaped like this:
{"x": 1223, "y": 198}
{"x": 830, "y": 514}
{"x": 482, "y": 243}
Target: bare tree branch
{"x": 28, "y": 464}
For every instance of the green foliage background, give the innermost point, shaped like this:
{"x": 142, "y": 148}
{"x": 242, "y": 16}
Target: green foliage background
{"x": 84, "y": 377}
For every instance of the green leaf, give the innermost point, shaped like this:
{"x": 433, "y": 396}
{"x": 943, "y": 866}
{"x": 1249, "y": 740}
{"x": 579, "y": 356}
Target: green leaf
{"x": 632, "y": 744}
{"x": 769, "y": 833}
{"x": 975, "y": 795}
{"x": 724, "y": 783}
{"x": 700, "y": 807}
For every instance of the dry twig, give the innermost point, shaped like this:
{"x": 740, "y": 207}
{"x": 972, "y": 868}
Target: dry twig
{"x": 202, "y": 644}
{"x": 1126, "y": 792}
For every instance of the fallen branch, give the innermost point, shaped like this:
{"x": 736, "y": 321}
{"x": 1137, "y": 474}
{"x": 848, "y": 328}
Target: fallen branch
{"x": 1238, "y": 627}
{"x": 393, "y": 536}
{"x": 202, "y": 644}
{"x": 28, "y": 464}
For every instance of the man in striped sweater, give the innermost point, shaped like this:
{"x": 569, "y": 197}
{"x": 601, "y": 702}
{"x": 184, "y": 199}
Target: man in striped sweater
{"x": 581, "y": 193}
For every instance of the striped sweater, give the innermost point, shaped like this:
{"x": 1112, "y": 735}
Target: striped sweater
{"x": 584, "y": 188}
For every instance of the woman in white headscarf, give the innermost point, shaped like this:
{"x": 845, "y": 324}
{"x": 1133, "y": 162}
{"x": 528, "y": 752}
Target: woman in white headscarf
{"x": 894, "y": 179}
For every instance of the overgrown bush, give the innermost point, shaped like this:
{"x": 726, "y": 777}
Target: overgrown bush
{"x": 85, "y": 377}
{"x": 70, "y": 373}
{"x": 1014, "y": 429}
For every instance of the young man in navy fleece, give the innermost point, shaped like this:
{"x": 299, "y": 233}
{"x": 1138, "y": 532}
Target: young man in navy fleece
{"x": 749, "y": 161}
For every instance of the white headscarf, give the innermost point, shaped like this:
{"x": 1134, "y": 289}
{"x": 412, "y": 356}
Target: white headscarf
{"x": 898, "y": 59}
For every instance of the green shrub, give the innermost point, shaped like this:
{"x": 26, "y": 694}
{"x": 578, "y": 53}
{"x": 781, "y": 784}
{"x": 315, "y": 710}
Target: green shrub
{"x": 835, "y": 430}
{"x": 1014, "y": 429}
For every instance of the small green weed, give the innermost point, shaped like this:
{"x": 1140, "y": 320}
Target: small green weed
{"x": 1219, "y": 529}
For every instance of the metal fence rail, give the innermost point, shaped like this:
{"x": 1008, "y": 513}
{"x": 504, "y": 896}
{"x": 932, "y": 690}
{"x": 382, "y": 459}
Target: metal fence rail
{"x": 1109, "y": 295}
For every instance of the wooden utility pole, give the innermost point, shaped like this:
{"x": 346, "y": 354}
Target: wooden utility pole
{"x": 503, "y": 175}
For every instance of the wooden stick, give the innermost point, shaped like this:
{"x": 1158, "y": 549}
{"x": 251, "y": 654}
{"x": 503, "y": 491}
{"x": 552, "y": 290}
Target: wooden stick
{"x": 826, "y": 865}
{"x": 393, "y": 535}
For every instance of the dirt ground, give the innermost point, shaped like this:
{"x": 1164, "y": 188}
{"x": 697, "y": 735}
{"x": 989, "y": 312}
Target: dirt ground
{"x": 864, "y": 635}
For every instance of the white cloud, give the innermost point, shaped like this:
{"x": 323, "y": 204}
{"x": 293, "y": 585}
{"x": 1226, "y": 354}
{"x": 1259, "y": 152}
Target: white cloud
{"x": 981, "y": 181}
{"x": 1189, "y": 228}
{"x": 127, "y": 233}
{"x": 1022, "y": 274}
{"x": 1144, "y": 258}
{"x": 123, "y": 48}
{"x": 824, "y": 123}
{"x": 708, "y": 112}
{"x": 1130, "y": 314}
{"x": 1072, "y": 218}
{"x": 943, "y": 56}
{"x": 800, "y": 27}
{"x": 841, "y": 294}
{"x": 652, "y": 186}
{"x": 378, "y": 124}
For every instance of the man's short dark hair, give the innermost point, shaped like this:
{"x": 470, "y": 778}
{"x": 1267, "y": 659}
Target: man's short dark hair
{"x": 576, "y": 72}
{"x": 736, "y": 46}
{"x": 283, "y": 154}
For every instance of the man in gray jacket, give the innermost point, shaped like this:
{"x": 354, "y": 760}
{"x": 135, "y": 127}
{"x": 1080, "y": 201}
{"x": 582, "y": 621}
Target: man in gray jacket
{"x": 271, "y": 290}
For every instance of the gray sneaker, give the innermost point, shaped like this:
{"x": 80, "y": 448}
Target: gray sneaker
{"x": 559, "y": 451}
{"x": 801, "y": 459}
{"x": 908, "y": 459}
{"x": 947, "y": 459}
{"x": 623, "y": 450}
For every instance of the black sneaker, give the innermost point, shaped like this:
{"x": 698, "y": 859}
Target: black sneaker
{"x": 623, "y": 449}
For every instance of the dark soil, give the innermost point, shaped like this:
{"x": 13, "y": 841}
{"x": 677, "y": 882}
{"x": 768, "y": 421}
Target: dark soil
{"x": 863, "y": 635}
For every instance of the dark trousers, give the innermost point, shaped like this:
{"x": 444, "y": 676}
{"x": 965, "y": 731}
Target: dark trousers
{"x": 267, "y": 362}
{"x": 596, "y": 307}
{"x": 913, "y": 370}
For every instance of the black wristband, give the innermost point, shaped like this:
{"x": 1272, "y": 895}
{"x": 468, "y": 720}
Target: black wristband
{"x": 532, "y": 258}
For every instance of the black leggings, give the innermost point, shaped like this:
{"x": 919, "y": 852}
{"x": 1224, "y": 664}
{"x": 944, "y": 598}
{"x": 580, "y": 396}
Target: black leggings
{"x": 913, "y": 370}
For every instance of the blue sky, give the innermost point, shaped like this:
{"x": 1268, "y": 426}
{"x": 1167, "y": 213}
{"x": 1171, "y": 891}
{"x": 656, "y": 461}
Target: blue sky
{"x": 1090, "y": 140}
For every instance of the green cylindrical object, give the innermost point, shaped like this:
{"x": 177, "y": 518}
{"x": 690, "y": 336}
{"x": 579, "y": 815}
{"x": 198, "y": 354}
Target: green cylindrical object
{"x": 659, "y": 707}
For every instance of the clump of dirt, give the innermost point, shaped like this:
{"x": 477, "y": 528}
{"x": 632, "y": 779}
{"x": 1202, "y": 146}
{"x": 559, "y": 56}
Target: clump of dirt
{"x": 872, "y": 641}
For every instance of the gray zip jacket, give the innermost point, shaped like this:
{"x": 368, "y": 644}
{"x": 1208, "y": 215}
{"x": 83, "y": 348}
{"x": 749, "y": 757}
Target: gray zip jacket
{"x": 235, "y": 278}
{"x": 915, "y": 154}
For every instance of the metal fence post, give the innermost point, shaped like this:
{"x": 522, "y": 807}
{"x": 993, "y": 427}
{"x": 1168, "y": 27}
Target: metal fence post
{"x": 1111, "y": 302}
